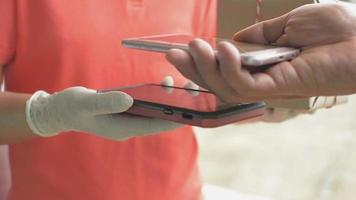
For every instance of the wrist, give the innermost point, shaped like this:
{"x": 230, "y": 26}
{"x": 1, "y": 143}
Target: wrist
{"x": 37, "y": 114}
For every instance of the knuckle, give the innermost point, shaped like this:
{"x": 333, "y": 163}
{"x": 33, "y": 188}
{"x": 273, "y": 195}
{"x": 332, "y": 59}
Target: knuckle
{"x": 194, "y": 44}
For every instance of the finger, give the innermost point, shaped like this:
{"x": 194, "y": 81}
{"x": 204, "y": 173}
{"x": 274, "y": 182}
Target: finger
{"x": 265, "y": 98}
{"x": 107, "y": 103}
{"x": 151, "y": 125}
{"x": 124, "y": 126}
{"x": 291, "y": 78}
{"x": 185, "y": 65}
{"x": 279, "y": 114}
{"x": 168, "y": 81}
{"x": 265, "y": 32}
{"x": 240, "y": 79}
{"x": 282, "y": 41}
{"x": 207, "y": 66}
{"x": 193, "y": 88}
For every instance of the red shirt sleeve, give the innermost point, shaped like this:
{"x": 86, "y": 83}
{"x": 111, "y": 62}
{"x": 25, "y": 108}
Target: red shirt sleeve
{"x": 7, "y": 30}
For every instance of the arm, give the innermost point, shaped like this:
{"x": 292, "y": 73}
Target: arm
{"x": 13, "y": 125}
{"x": 73, "y": 109}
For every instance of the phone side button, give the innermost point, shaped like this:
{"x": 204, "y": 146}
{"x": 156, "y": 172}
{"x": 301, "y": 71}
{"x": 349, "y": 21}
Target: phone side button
{"x": 187, "y": 116}
{"x": 168, "y": 111}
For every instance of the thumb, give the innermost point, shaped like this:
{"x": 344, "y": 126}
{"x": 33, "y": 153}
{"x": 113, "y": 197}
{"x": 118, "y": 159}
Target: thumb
{"x": 108, "y": 103}
{"x": 265, "y": 32}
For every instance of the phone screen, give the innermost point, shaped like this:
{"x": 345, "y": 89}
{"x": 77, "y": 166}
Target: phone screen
{"x": 200, "y": 101}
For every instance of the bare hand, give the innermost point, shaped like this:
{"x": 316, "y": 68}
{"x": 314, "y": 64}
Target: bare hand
{"x": 325, "y": 67}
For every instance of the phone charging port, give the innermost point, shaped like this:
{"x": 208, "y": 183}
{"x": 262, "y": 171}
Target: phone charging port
{"x": 168, "y": 111}
{"x": 187, "y": 116}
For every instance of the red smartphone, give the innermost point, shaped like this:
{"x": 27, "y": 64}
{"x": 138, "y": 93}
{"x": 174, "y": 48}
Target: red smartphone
{"x": 194, "y": 107}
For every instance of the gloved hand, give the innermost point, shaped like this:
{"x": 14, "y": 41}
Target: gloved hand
{"x": 82, "y": 109}
{"x": 275, "y": 115}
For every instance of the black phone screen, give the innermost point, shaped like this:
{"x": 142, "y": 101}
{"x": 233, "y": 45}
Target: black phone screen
{"x": 201, "y": 101}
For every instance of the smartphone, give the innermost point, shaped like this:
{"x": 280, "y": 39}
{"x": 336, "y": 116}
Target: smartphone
{"x": 251, "y": 54}
{"x": 187, "y": 106}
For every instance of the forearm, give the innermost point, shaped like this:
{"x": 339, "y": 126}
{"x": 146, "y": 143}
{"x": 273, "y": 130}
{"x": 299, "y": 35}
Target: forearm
{"x": 13, "y": 125}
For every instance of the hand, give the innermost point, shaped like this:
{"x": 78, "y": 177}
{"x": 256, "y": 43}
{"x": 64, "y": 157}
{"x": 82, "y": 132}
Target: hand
{"x": 82, "y": 109}
{"x": 275, "y": 115}
{"x": 306, "y": 26}
{"x": 323, "y": 69}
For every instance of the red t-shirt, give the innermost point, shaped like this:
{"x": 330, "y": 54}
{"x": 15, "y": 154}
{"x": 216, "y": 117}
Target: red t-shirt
{"x": 54, "y": 44}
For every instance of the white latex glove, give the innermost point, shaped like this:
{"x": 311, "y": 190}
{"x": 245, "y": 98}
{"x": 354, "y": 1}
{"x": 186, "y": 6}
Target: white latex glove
{"x": 281, "y": 114}
{"x": 82, "y": 109}
{"x": 277, "y": 113}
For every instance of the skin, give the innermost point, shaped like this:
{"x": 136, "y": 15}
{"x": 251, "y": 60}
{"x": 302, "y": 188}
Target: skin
{"x": 326, "y": 33}
{"x": 13, "y": 125}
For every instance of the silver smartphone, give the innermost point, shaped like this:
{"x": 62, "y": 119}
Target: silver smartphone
{"x": 253, "y": 55}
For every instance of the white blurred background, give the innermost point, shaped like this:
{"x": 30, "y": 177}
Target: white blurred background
{"x": 310, "y": 157}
